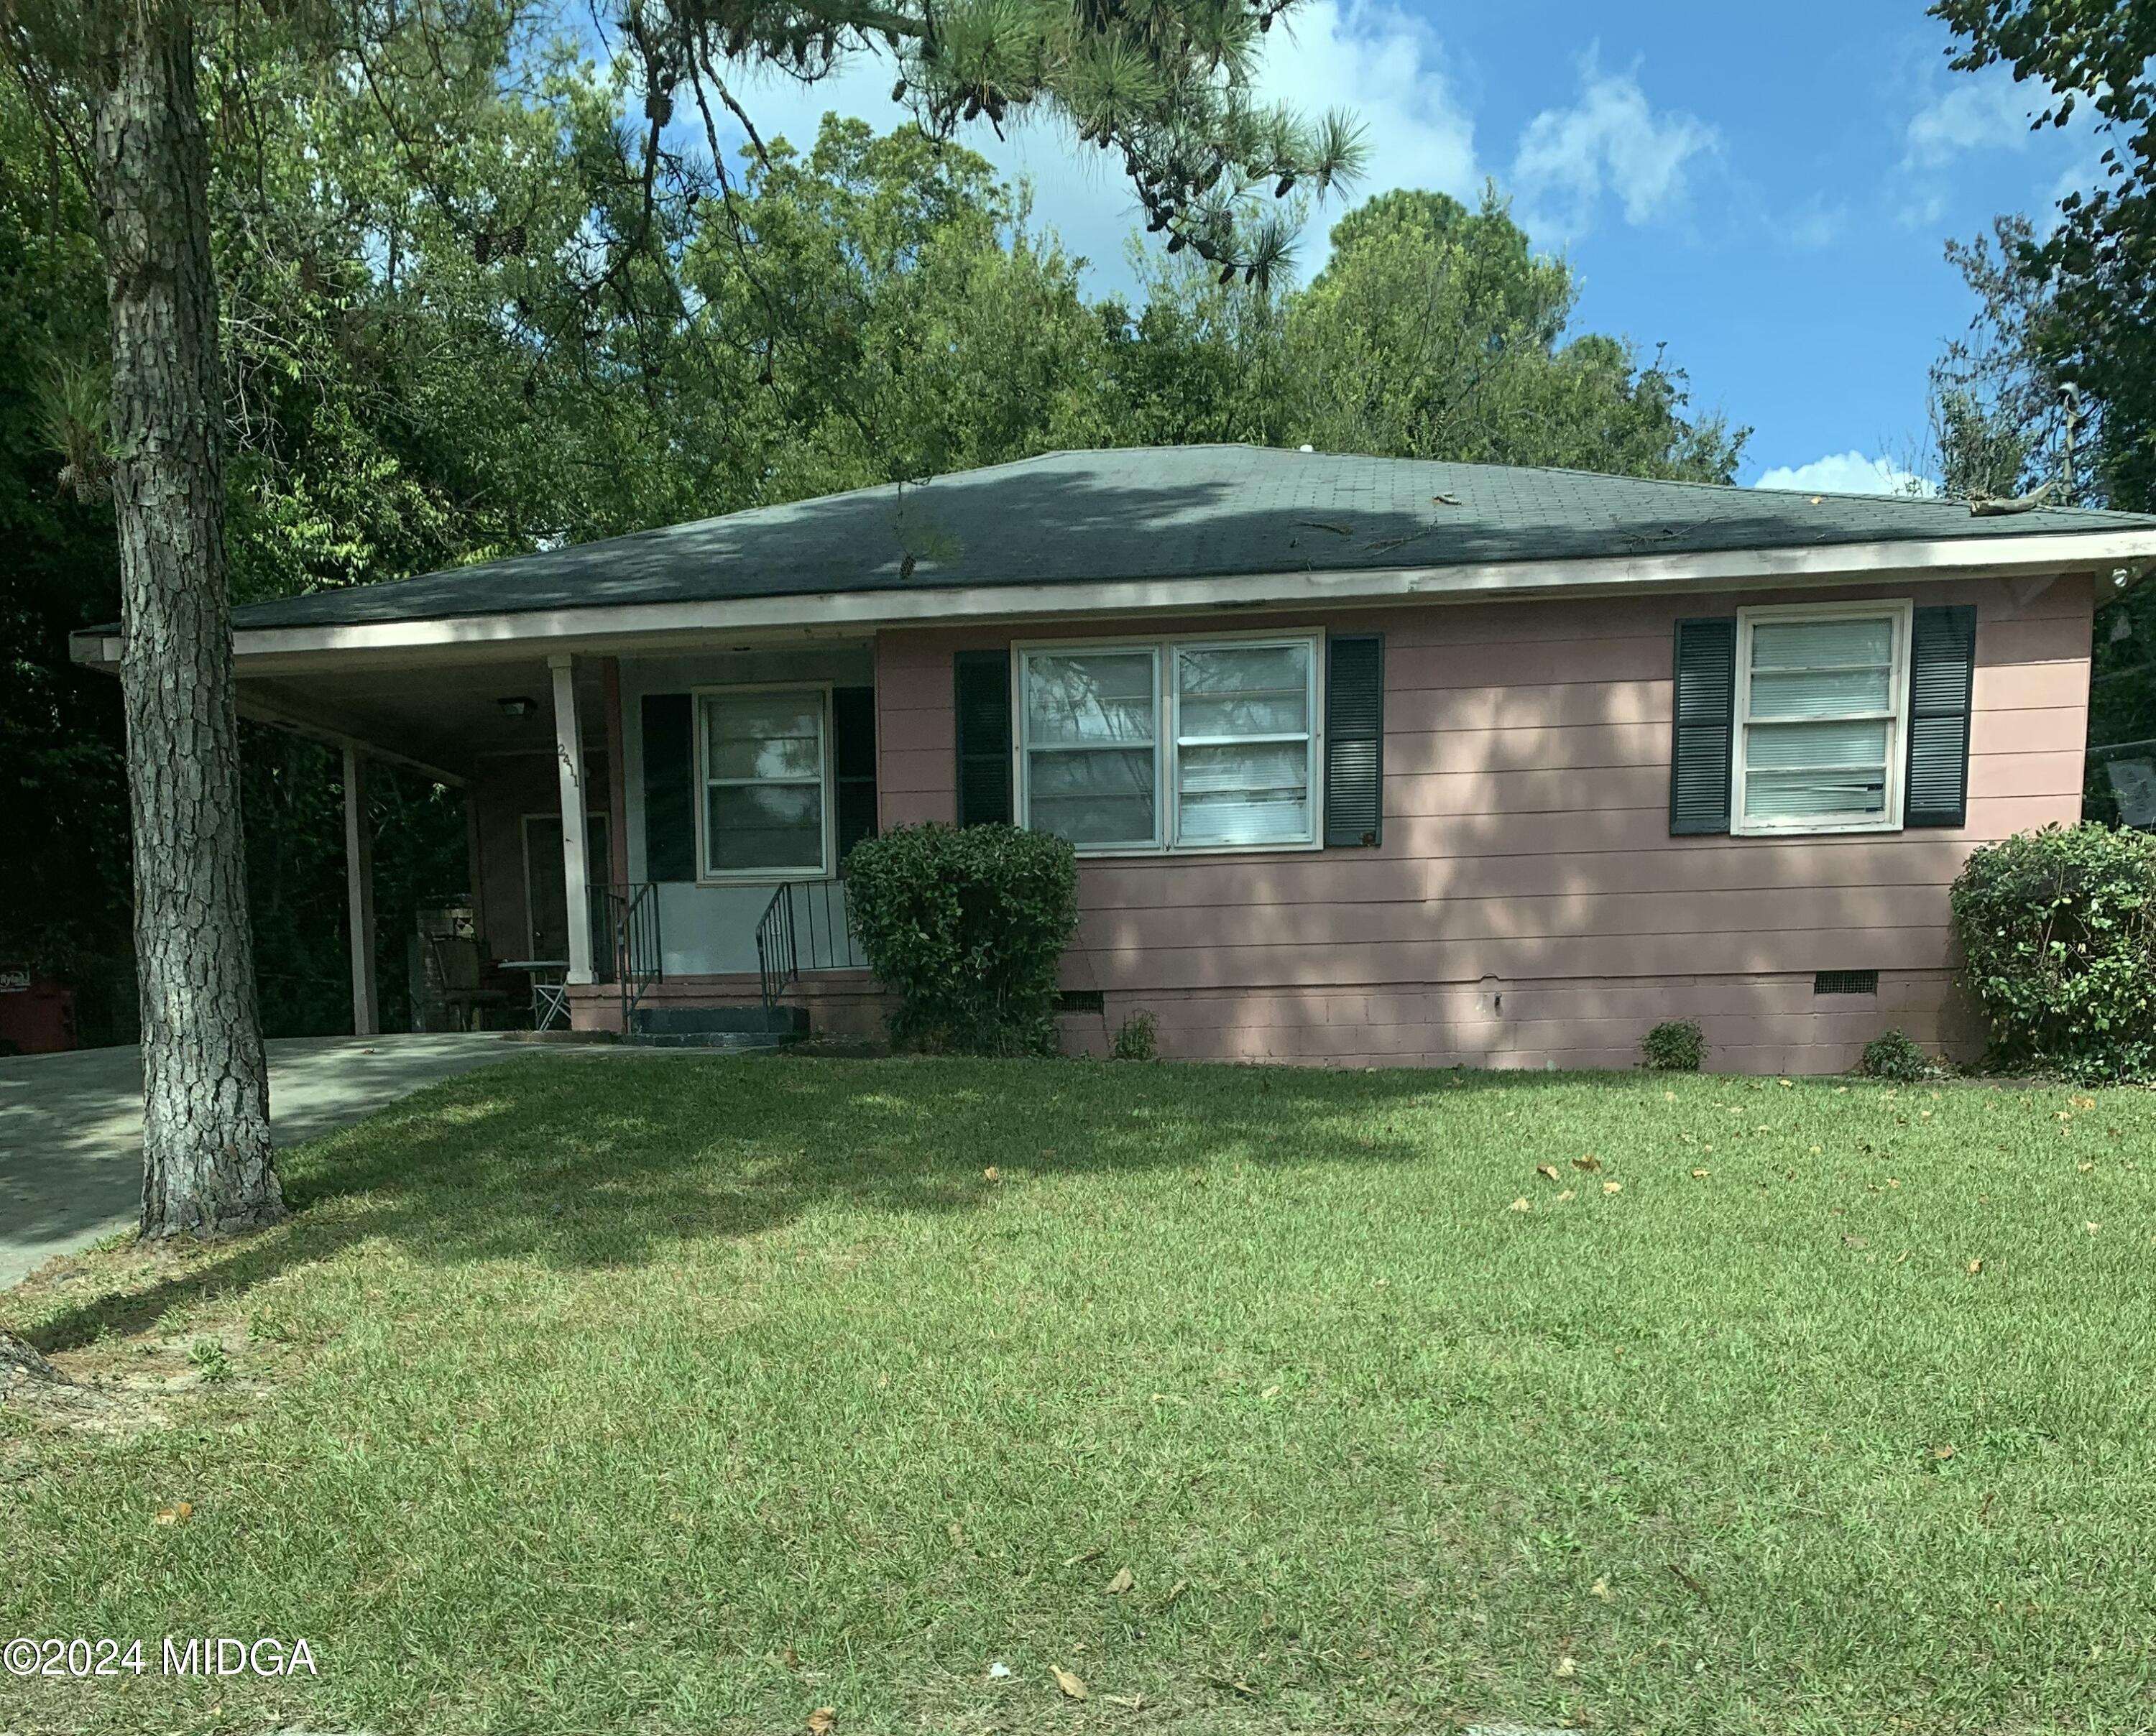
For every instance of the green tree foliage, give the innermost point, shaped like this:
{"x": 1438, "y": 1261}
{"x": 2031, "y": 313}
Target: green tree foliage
{"x": 63, "y": 794}
{"x": 893, "y": 316}
{"x": 2097, "y": 269}
{"x": 1432, "y": 332}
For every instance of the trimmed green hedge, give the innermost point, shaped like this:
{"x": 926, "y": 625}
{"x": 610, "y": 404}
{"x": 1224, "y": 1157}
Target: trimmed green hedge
{"x": 2058, "y": 931}
{"x": 966, "y": 926}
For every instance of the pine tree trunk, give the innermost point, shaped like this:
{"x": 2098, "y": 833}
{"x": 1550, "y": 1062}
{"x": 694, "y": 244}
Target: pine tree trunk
{"x": 206, "y": 1156}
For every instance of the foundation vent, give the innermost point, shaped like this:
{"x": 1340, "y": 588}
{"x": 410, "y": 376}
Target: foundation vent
{"x": 1079, "y": 1001}
{"x": 1845, "y": 982}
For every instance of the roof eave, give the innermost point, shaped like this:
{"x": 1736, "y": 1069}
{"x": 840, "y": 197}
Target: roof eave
{"x": 2124, "y": 556}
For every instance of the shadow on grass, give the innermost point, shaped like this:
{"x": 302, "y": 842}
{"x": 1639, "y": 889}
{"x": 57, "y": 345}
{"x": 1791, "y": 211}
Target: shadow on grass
{"x": 610, "y": 1166}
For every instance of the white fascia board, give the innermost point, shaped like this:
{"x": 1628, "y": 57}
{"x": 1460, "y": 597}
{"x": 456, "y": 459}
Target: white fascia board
{"x": 842, "y": 614}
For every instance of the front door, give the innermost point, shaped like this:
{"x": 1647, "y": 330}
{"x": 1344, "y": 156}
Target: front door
{"x": 546, "y": 893}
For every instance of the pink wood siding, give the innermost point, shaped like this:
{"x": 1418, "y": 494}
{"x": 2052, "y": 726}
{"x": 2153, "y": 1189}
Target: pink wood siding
{"x": 1528, "y": 906}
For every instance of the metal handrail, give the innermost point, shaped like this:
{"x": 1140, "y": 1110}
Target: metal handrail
{"x": 630, "y": 924}
{"x": 778, "y": 950}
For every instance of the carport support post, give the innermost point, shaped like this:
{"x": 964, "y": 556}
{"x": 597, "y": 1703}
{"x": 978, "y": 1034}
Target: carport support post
{"x": 569, "y": 750}
{"x": 359, "y": 894}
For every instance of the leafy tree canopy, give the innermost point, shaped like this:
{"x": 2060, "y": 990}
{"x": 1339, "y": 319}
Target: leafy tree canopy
{"x": 2095, "y": 271}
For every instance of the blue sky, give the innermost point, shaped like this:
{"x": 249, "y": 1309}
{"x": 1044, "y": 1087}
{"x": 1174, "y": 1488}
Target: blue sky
{"x": 1766, "y": 189}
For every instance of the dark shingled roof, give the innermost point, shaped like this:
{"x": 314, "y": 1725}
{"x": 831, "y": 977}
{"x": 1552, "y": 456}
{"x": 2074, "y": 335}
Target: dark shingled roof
{"x": 1178, "y": 512}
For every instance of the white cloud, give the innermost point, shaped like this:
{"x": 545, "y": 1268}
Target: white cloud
{"x": 1388, "y": 68}
{"x": 1982, "y": 112}
{"x": 1816, "y": 226}
{"x": 1366, "y": 56}
{"x": 1610, "y": 141}
{"x": 1987, "y": 112}
{"x": 1846, "y": 473}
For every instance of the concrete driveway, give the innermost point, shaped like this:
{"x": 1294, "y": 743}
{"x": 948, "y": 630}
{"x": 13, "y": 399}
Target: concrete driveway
{"x": 71, "y": 1125}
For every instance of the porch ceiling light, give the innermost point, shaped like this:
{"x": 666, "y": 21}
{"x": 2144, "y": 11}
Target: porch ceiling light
{"x": 516, "y": 705}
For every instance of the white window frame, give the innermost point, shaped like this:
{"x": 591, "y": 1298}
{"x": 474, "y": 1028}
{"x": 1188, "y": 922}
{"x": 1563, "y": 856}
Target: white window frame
{"x": 1898, "y": 610}
{"x": 706, "y": 875}
{"x": 1167, "y": 730}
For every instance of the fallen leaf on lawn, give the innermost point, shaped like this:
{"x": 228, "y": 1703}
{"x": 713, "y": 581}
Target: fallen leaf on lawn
{"x": 1815, "y": 1151}
{"x": 2084, "y": 1168}
{"x": 2082, "y": 1103}
{"x": 1565, "y": 1668}
{"x": 1701, "y": 1175}
{"x": 1521, "y": 1204}
{"x": 1270, "y": 1392}
{"x": 2092, "y": 1226}
{"x": 1893, "y": 1181}
{"x": 1175, "y": 1591}
{"x": 1567, "y": 1195}
{"x": 1135, "y": 1702}
{"x": 1852, "y": 1241}
{"x": 1975, "y": 1267}
{"x": 1548, "y": 1170}
{"x": 1942, "y": 1453}
{"x": 1613, "y": 1187}
{"x": 1085, "y": 1555}
{"x": 1073, "y": 1687}
{"x": 185, "y": 1509}
{"x": 1600, "y": 1588}
{"x": 1121, "y": 1583}
{"x": 1589, "y": 1162}
{"x": 822, "y": 1721}
{"x": 990, "y": 1174}
{"x": 957, "y": 1536}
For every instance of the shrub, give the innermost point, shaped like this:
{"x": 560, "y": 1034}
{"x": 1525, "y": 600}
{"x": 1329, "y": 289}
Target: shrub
{"x": 1896, "y": 1056}
{"x": 965, "y": 926}
{"x": 2058, "y": 935}
{"x": 1137, "y": 1038}
{"x": 1675, "y": 1046}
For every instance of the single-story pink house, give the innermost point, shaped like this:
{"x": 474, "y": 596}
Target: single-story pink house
{"x": 1367, "y": 761}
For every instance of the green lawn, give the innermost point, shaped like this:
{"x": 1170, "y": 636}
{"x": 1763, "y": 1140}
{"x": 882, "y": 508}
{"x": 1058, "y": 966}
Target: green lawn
{"x": 672, "y": 1395}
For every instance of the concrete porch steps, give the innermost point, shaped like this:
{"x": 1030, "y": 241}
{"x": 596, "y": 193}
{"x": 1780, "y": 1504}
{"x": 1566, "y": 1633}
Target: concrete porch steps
{"x": 726, "y": 1028}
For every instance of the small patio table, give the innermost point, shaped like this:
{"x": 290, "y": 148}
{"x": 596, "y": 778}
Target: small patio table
{"x": 550, "y": 990}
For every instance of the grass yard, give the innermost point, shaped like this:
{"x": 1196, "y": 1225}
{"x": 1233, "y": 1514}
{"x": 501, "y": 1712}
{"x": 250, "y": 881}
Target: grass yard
{"x": 673, "y": 1395}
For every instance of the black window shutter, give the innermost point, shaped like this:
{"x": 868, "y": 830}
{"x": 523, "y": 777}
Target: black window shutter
{"x": 854, "y": 758}
{"x": 984, "y": 737}
{"x": 669, "y": 786}
{"x": 1705, "y": 725}
{"x": 1941, "y": 676}
{"x": 1354, "y": 739}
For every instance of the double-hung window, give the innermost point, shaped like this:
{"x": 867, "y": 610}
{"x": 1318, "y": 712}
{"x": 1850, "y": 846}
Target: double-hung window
{"x": 766, "y": 775}
{"x": 1822, "y": 706}
{"x": 1185, "y": 745}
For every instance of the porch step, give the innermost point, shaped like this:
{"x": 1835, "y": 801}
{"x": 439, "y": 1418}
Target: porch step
{"x": 729, "y": 1042}
{"x": 719, "y": 1027}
